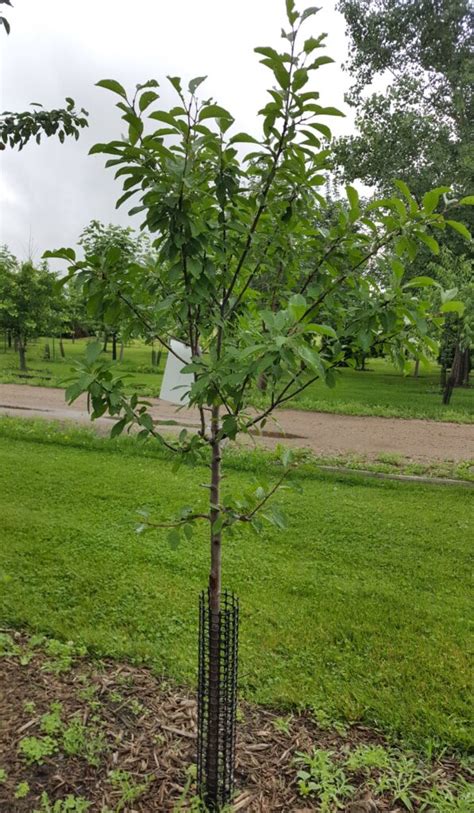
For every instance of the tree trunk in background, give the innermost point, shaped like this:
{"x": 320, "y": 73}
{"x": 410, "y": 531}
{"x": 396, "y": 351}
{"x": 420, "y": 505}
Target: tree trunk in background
{"x": 455, "y": 377}
{"x": 114, "y": 347}
{"x": 122, "y": 347}
{"x": 9, "y": 338}
{"x": 466, "y": 367}
{"x": 214, "y": 606}
{"x": 106, "y": 341}
{"x": 61, "y": 348}
{"x": 443, "y": 376}
{"x": 22, "y": 355}
{"x": 416, "y": 371}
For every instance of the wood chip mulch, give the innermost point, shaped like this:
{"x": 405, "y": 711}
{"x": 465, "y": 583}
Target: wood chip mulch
{"x": 148, "y": 727}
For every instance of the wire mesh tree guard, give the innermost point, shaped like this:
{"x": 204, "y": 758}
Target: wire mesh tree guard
{"x": 217, "y": 699}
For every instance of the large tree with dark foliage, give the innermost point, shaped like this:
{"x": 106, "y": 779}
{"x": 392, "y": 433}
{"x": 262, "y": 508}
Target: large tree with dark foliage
{"x": 420, "y": 129}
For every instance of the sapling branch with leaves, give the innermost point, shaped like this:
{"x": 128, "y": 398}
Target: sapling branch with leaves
{"x": 229, "y": 211}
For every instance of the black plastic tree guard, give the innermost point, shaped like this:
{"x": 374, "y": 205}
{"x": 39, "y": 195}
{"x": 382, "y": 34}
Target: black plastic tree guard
{"x": 217, "y": 701}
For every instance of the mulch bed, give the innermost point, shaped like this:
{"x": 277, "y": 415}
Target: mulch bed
{"x": 149, "y": 727}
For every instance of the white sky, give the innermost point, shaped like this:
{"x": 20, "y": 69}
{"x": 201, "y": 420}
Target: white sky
{"x": 60, "y": 48}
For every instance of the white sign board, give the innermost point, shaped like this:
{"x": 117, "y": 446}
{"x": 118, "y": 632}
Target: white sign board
{"x": 175, "y": 384}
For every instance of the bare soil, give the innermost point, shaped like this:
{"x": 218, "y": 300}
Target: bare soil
{"x": 322, "y": 433}
{"x": 148, "y": 729}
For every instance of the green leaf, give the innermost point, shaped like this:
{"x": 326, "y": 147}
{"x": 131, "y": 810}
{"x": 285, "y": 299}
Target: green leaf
{"x": 146, "y": 99}
{"x": 353, "y": 198}
{"x": 60, "y": 254}
{"x": 401, "y": 185}
{"x": 118, "y": 428}
{"x": 430, "y": 242}
{"x": 300, "y": 78}
{"x": 214, "y": 111}
{"x": 329, "y": 111}
{"x": 460, "y": 228}
{"x": 113, "y": 85}
{"x": 176, "y": 82}
{"x": 290, "y": 11}
{"x": 323, "y": 330}
{"x": 420, "y": 282}
{"x": 174, "y": 538}
{"x": 431, "y": 198}
{"x": 468, "y": 200}
{"x": 73, "y": 392}
{"x": 308, "y": 12}
{"x": 243, "y": 138}
{"x": 398, "y": 268}
{"x": 322, "y": 60}
{"x": 454, "y": 306}
{"x": 194, "y": 83}
{"x": 312, "y": 359}
{"x": 93, "y": 351}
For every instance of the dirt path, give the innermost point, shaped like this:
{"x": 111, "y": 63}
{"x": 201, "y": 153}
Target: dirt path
{"x": 322, "y": 433}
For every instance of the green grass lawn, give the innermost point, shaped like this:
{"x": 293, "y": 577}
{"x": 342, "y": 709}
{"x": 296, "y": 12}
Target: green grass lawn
{"x": 381, "y": 390}
{"x": 359, "y": 610}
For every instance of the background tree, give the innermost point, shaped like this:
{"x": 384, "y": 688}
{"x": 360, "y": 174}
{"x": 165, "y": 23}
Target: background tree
{"x": 117, "y": 246}
{"x": 420, "y": 128}
{"x": 26, "y": 309}
{"x": 220, "y": 220}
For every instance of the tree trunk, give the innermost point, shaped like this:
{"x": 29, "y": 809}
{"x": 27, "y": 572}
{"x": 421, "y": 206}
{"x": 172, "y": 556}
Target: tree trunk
{"x": 455, "y": 376}
{"x": 212, "y": 777}
{"x": 106, "y": 340}
{"x": 121, "y": 351}
{"x": 22, "y": 355}
{"x": 443, "y": 376}
{"x": 114, "y": 347}
{"x": 9, "y": 339}
{"x": 61, "y": 348}
{"x": 416, "y": 371}
{"x": 466, "y": 367}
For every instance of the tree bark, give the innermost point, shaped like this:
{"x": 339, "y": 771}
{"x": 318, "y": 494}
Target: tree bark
{"x": 9, "y": 339}
{"x": 455, "y": 376}
{"x": 106, "y": 340}
{"x": 416, "y": 371}
{"x": 22, "y": 355}
{"x": 114, "y": 347}
{"x": 61, "y": 348}
{"x": 212, "y": 777}
{"x": 466, "y": 367}
{"x": 122, "y": 347}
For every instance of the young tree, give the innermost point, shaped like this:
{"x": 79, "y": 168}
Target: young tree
{"x": 223, "y": 216}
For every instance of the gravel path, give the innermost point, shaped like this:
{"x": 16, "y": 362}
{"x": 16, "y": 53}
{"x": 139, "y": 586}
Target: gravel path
{"x": 323, "y": 433}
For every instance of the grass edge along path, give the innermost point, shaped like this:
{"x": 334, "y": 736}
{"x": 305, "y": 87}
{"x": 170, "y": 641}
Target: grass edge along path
{"x": 357, "y": 610}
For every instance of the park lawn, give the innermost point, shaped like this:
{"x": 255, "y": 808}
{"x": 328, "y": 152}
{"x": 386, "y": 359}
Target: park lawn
{"x": 380, "y": 390}
{"x": 359, "y": 610}
{"x": 136, "y": 367}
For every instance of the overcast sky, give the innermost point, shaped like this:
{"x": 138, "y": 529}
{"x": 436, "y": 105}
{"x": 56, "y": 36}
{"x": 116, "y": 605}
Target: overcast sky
{"x": 48, "y": 193}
